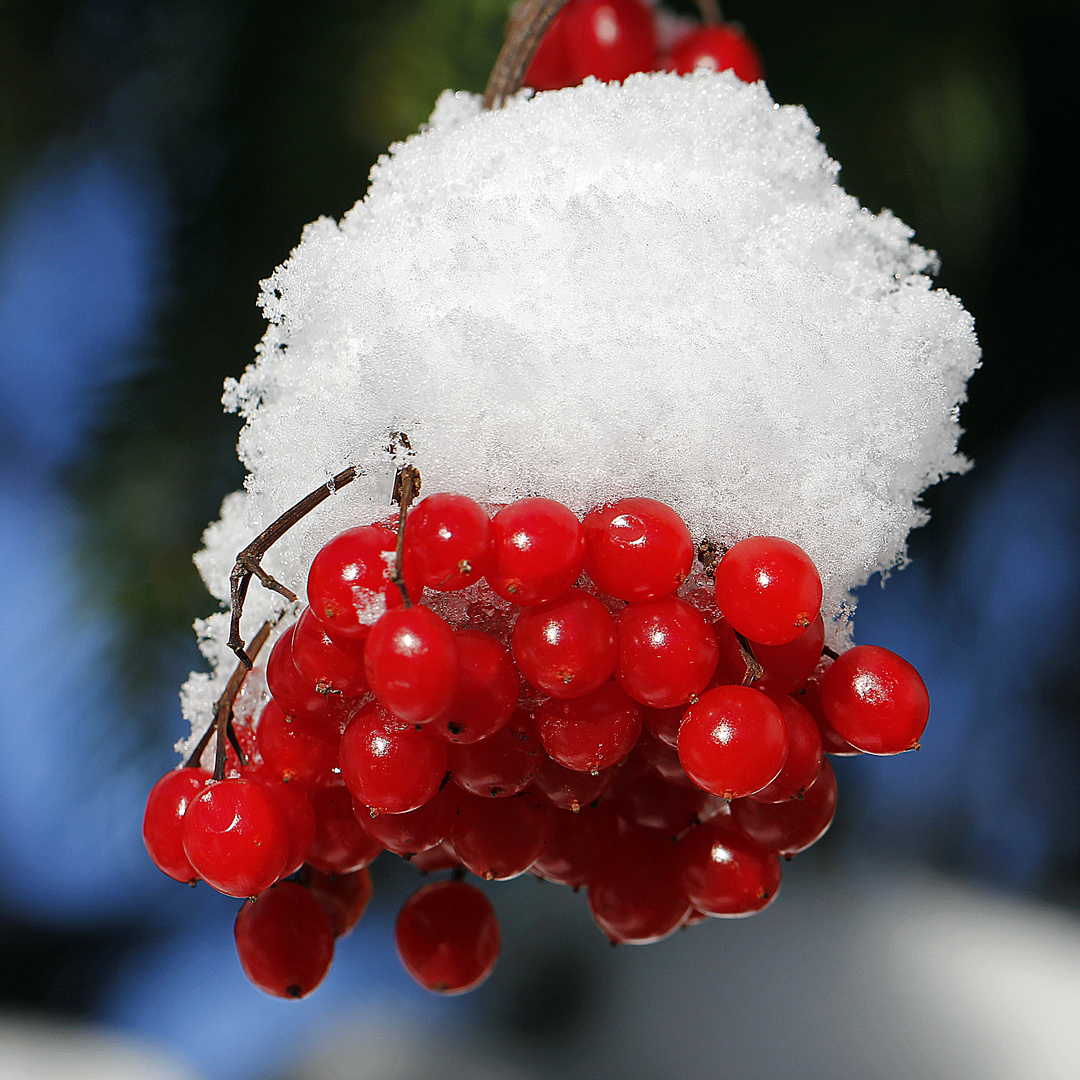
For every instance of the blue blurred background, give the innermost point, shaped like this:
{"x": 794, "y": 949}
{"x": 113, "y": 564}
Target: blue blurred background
{"x": 157, "y": 159}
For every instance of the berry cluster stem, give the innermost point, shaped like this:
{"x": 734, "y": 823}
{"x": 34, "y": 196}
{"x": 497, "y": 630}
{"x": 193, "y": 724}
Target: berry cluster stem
{"x": 248, "y": 562}
{"x": 406, "y": 488}
{"x": 527, "y": 25}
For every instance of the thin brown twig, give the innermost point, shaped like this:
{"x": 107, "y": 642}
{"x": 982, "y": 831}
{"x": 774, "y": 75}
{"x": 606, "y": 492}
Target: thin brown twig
{"x": 406, "y": 488}
{"x": 224, "y": 704}
{"x": 527, "y": 25}
{"x": 249, "y": 560}
{"x": 754, "y": 670}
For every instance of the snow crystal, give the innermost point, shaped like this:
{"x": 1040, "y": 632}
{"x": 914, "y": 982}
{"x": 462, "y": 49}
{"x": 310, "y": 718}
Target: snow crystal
{"x": 657, "y": 288}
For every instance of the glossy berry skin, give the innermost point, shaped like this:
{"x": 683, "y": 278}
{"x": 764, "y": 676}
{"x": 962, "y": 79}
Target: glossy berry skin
{"x": 636, "y": 896}
{"x": 486, "y": 692}
{"x": 875, "y": 700}
{"x": 297, "y": 811}
{"x": 447, "y": 937}
{"x": 285, "y": 941}
{"x": 590, "y": 733}
{"x": 724, "y": 872}
{"x": 578, "y": 845}
{"x": 538, "y": 550}
{"x": 448, "y": 538}
{"x": 804, "y": 758}
{"x": 390, "y": 766}
{"x": 667, "y": 652}
{"x": 790, "y": 827}
{"x": 768, "y": 589}
{"x": 236, "y": 837}
{"x": 165, "y": 809}
{"x": 549, "y": 68}
{"x": 411, "y": 663}
{"x": 637, "y": 549}
{"x": 717, "y": 48}
{"x": 571, "y": 789}
{"x": 348, "y": 585}
{"x": 325, "y": 665}
{"x": 608, "y": 39}
{"x": 733, "y": 741}
{"x": 566, "y": 647}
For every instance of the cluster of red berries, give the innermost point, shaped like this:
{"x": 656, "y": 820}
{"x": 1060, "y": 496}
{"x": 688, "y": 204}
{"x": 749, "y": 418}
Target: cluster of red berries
{"x": 611, "y": 39}
{"x": 571, "y": 700}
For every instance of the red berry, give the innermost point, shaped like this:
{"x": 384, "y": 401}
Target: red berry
{"x": 349, "y": 583}
{"x": 341, "y": 845}
{"x": 538, "y": 550}
{"x": 717, "y": 48}
{"x": 323, "y": 663}
{"x": 733, "y": 741}
{"x": 768, "y": 589}
{"x": 411, "y": 661}
{"x": 810, "y": 697}
{"x": 571, "y": 789}
{"x": 592, "y": 732}
{"x": 608, "y": 39}
{"x": 804, "y": 756}
{"x": 637, "y": 549}
{"x": 344, "y": 897}
{"x": 549, "y": 68}
{"x": 667, "y": 652}
{"x": 566, "y": 647}
{"x": 578, "y": 845}
{"x": 790, "y": 827}
{"x": 297, "y": 810}
{"x": 448, "y": 541}
{"x": 724, "y": 872}
{"x": 651, "y": 801}
{"x": 440, "y": 857}
{"x": 875, "y": 700}
{"x": 236, "y": 837}
{"x": 486, "y": 692}
{"x": 502, "y": 764}
{"x": 415, "y": 830}
{"x": 165, "y": 809}
{"x": 285, "y": 941}
{"x": 290, "y": 690}
{"x": 390, "y": 766}
{"x": 298, "y": 749}
{"x": 447, "y": 936}
{"x": 663, "y": 724}
{"x": 636, "y": 896}
{"x": 499, "y": 839}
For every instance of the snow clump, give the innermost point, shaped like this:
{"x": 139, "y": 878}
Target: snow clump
{"x": 655, "y": 288}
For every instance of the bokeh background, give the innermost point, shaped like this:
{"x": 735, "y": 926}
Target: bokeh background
{"x": 157, "y": 159}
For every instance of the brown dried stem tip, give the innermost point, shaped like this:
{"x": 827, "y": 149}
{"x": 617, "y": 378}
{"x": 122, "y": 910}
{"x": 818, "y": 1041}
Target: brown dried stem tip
{"x": 249, "y": 560}
{"x": 527, "y": 25}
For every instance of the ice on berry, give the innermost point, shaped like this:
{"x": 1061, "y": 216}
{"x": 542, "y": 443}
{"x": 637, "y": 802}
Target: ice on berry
{"x": 656, "y": 289}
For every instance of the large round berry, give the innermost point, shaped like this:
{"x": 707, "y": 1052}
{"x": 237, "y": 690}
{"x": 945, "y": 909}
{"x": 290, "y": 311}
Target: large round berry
{"x": 285, "y": 941}
{"x": 411, "y": 662}
{"x": 236, "y": 837}
{"x": 637, "y": 549}
{"x": 724, "y": 872}
{"x": 415, "y": 830}
{"x": 733, "y": 741}
{"x": 592, "y": 732}
{"x": 329, "y": 667}
{"x": 165, "y": 809}
{"x": 486, "y": 692}
{"x": 768, "y": 589}
{"x": 875, "y": 700}
{"x": 349, "y": 584}
{"x": 390, "y": 766}
{"x": 341, "y": 845}
{"x": 298, "y": 749}
{"x": 717, "y": 48}
{"x": 790, "y": 827}
{"x": 499, "y": 839}
{"x": 608, "y": 39}
{"x": 538, "y": 550}
{"x": 447, "y": 936}
{"x": 667, "y": 652}
{"x": 448, "y": 541}
{"x": 566, "y": 647}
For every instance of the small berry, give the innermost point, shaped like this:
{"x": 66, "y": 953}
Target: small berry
{"x": 447, "y": 937}
{"x": 608, "y": 39}
{"x": 538, "y": 550}
{"x": 448, "y": 541}
{"x": 717, "y": 48}
{"x": 724, "y": 872}
{"x": 592, "y": 732}
{"x": 166, "y": 806}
